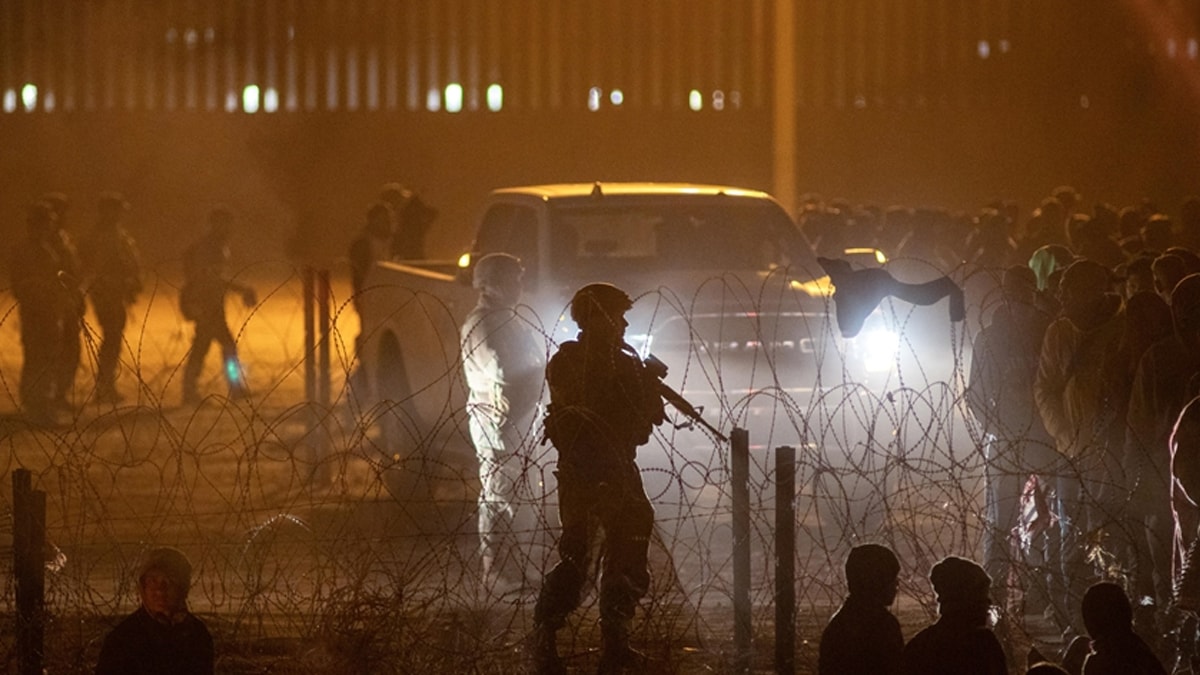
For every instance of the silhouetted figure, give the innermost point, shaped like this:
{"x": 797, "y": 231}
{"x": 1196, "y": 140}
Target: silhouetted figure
{"x": 1004, "y": 365}
{"x": 162, "y": 637}
{"x": 202, "y": 300}
{"x": 372, "y": 244}
{"x": 43, "y": 303}
{"x": 73, "y": 311}
{"x": 960, "y": 642}
{"x": 1156, "y": 233}
{"x": 111, "y": 262}
{"x": 1116, "y": 649}
{"x": 858, "y": 292}
{"x": 504, "y": 365}
{"x": 1160, "y": 389}
{"x": 413, "y": 218}
{"x": 1139, "y": 276}
{"x": 603, "y": 405}
{"x": 1082, "y": 390}
{"x": 1168, "y": 269}
{"x": 863, "y": 638}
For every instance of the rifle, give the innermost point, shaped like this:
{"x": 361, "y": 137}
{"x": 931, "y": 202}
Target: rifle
{"x": 659, "y": 370}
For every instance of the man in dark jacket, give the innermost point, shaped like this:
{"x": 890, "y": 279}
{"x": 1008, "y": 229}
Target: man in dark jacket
{"x": 863, "y": 638}
{"x": 604, "y": 403}
{"x": 162, "y": 637}
{"x": 1161, "y": 388}
{"x": 1116, "y": 649}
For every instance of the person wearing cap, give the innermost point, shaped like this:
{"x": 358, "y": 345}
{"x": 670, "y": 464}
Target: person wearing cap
{"x": 604, "y": 403}
{"x": 113, "y": 268}
{"x": 504, "y": 363}
{"x": 202, "y": 300}
{"x": 43, "y": 303}
{"x": 960, "y": 643}
{"x": 1082, "y": 393}
{"x": 162, "y": 637}
{"x": 863, "y": 637}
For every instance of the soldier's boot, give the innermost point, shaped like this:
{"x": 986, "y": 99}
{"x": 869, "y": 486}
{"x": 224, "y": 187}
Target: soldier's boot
{"x": 617, "y": 656}
{"x": 544, "y": 652}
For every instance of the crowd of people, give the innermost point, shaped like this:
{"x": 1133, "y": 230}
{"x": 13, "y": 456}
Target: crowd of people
{"x": 54, "y": 277}
{"x": 1078, "y": 376}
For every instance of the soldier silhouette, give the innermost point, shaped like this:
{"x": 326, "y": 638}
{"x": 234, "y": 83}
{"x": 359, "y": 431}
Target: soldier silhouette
{"x": 604, "y": 403}
{"x": 43, "y": 301}
{"x": 202, "y": 300}
{"x": 110, "y": 260}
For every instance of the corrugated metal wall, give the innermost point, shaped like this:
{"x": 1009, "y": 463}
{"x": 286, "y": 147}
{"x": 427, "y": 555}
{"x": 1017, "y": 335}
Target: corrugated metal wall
{"x": 402, "y": 55}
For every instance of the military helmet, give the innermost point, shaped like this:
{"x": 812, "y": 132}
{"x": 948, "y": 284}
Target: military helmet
{"x": 495, "y": 270}
{"x": 599, "y": 297}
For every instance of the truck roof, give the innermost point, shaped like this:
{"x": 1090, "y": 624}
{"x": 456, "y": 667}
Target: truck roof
{"x": 577, "y": 190}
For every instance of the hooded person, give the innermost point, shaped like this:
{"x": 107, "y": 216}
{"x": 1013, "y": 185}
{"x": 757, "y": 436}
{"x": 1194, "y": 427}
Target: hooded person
{"x": 863, "y": 637}
{"x": 960, "y": 643}
{"x": 162, "y": 636}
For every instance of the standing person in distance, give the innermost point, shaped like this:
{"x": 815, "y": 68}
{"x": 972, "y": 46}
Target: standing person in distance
{"x": 71, "y": 276}
{"x": 603, "y": 405}
{"x": 504, "y": 365}
{"x": 373, "y": 243}
{"x": 35, "y": 273}
{"x": 202, "y": 300}
{"x": 111, "y": 262}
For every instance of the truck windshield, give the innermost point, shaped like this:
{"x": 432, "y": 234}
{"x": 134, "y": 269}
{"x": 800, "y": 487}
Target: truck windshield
{"x": 589, "y": 239}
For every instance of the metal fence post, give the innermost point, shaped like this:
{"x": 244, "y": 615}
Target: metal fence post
{"x": 29, "y": 541}
{"x": 785, "y": 560}
{"x": 310, "y": 339}
{"x": 740, "y": 470}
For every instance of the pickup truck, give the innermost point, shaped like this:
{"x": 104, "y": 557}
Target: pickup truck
{"x": 727, "y": 293}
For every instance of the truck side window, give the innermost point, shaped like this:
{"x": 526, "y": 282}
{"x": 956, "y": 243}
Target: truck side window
{"x": 508, "y": 228}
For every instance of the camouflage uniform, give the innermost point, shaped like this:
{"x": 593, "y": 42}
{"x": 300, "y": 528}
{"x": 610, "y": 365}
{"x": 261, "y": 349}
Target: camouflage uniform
{"x": 603, "y": 405}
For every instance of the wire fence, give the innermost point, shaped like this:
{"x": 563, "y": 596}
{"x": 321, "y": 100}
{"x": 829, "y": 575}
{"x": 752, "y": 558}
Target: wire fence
{"x": 321, "y": 544}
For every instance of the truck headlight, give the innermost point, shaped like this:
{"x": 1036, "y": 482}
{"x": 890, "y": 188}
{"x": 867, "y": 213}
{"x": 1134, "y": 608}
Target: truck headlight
{"x": 879, "y": 347}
